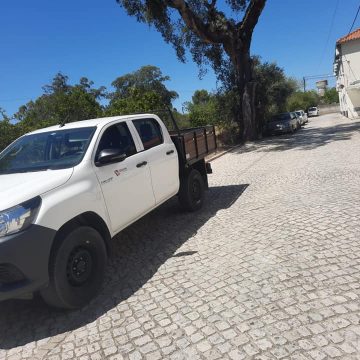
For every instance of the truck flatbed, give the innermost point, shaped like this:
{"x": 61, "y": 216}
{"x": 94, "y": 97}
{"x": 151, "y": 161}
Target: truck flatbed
{"x": 194, "y": 144}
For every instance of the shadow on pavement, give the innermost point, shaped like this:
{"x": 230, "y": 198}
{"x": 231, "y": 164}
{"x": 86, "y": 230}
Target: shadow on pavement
{"x": 139, "y": 251}
{"x": 308, "y": 138}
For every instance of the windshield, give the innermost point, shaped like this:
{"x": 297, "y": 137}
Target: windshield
{"x": 312, "y": 109}
{"x": 299, "y": 113}
{"x": 281, "y": 117}
{"x": 51, "y": 150}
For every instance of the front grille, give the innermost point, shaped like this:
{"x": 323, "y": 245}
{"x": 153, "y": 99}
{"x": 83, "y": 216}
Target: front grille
{"x": 10, "y": 274}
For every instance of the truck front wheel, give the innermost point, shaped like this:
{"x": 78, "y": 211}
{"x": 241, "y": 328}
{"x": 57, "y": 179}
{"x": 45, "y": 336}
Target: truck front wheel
{"x": 77, "y": 267}
{"x": 192, "y": 189}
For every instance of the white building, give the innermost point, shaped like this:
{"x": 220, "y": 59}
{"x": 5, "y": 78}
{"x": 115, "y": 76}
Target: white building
{"x": 347, "y": 71}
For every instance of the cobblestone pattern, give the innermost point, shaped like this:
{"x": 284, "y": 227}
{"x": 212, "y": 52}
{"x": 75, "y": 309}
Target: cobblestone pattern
{"x": 269, "y": 269}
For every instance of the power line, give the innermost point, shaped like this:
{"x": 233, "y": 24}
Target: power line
{"x": 329, "y": 33}
{"x": 353, "y": 23}
{"x": 314, "y": 77}
{"x": 319, "y": 76}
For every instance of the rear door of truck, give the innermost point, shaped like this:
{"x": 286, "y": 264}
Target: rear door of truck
{"x": 126, "y": 185}
{"x": 161, "y": 155}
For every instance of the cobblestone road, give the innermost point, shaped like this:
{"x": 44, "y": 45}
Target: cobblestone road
{"x": 269, "y": 269}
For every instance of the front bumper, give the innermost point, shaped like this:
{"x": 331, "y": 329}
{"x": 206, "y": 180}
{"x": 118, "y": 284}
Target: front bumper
{"x": 281, "y": 130}
{"x": 24, "y": 260}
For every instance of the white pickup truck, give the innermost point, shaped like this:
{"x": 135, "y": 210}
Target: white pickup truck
{"x": 67, "y": 190}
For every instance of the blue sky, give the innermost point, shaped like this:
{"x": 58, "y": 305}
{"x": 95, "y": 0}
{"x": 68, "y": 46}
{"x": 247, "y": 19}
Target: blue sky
{"x": 96, "y": 39}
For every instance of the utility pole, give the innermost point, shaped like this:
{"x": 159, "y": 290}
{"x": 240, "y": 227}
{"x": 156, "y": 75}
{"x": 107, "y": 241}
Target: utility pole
{"x": 304, "y": 81}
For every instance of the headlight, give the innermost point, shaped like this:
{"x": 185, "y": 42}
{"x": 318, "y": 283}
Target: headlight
{"x": 19, "y": 217}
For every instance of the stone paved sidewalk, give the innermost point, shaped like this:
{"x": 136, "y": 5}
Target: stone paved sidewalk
{"x": 269, "y": 269}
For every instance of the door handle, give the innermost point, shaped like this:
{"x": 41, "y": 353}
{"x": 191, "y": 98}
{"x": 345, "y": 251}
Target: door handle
{"x": 141, "y": 164}
{"x": 169, "y": 152}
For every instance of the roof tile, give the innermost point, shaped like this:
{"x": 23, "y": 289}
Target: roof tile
{"x": 352, "y": 36}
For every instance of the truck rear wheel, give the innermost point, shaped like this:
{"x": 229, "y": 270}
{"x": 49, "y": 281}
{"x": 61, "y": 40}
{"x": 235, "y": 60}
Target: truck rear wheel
{"x": 192, "y": 190}
{"x": 77, "y": 267}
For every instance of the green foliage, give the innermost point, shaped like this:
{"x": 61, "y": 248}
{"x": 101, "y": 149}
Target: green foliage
{"x": 61, "y": 103}
{"x": 141, "y": 91}
{"x": 215, "y": 35}
{"x": 144, "y": 91}
{"x": 148, "y": 79}
{"x": 8, "y": 131}
{"x": 272, "y": 93}
{"x": 166, "y": 18}
{"x": 212, "y": 32}
{"x": 215, "y": 109}
{"x": 331, "y": 96}
{"x": 273, "y": 88}
{"x": 302, "y": 100}
{"x": 201, "y": 97}
{"x": 203, "y": 114}
{"x": 202, "y": 109}
{"x": 136, "y": 100}
{"x": 181, "y": 119}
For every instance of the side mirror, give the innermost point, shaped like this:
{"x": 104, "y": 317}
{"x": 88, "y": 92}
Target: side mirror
{"x": 110, "y": 156}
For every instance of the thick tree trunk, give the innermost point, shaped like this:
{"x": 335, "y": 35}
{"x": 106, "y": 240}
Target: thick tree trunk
{"x": 246, "y": 91}
{"x": 249, "y": 112}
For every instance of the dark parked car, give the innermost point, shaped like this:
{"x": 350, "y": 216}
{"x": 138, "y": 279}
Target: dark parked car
{"x": 282, "y": 123}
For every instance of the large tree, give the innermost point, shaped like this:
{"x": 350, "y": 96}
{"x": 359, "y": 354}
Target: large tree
{"x": 135, "y": 101}
{"x": 147, "y": 79}
{"x": 61, "y": 102}
{"x": 213, "y": 38}
{"x": 273, "y": 90}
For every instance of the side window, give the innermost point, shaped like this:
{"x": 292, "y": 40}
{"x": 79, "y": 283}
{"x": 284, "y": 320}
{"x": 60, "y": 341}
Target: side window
{"x": 126, "y": 139}
{"x": 149, "y": 131}
{"x": 117, "y": 137}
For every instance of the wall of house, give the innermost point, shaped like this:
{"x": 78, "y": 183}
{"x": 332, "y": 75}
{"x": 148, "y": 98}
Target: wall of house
{"x": 349, "y": 71}
{"x": 351, "y": 60}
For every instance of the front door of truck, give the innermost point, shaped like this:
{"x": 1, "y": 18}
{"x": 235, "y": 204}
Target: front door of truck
{"x": 126, "y": 185}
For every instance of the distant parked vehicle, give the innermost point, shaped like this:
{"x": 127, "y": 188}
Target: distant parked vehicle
{"x": 282, "y": 123}
{"x": 313, "y": 111}
{"x": 303, "y": 116}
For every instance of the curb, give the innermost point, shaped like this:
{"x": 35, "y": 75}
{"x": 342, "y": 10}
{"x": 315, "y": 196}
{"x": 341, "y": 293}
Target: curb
{"x": 223, "y": 153}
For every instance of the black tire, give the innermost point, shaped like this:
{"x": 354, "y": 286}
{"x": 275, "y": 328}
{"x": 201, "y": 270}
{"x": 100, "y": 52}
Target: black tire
{"x": 192, "y": 191}
{"x": 76, "y": 269}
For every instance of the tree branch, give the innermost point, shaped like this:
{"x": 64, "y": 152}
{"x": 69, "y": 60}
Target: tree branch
{"x": 194, "y": 23}
{"x": 212, "y": 4}
{"x": 253, "y": 12}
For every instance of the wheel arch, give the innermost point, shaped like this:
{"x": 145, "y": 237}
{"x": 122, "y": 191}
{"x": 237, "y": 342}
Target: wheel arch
{"x": 200, "y": 166}
{"x": 90, "y": 219}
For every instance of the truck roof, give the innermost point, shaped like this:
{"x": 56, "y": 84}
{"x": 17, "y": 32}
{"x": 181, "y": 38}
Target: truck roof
{"x": 89, "y": 123}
